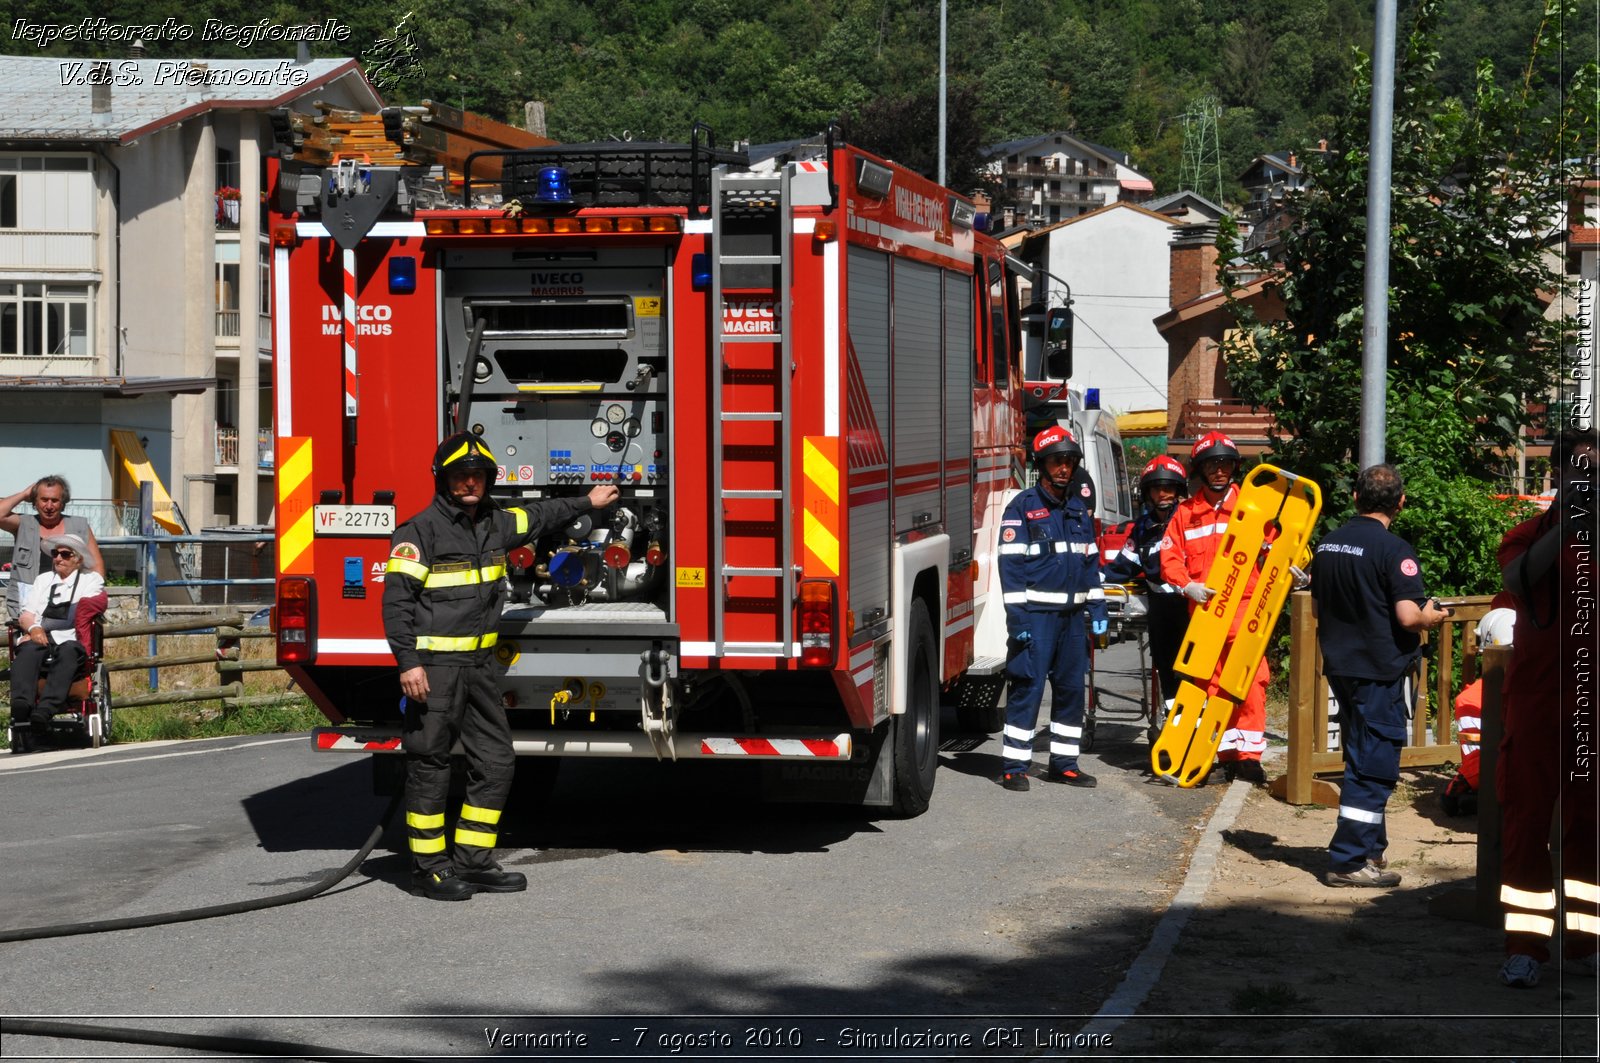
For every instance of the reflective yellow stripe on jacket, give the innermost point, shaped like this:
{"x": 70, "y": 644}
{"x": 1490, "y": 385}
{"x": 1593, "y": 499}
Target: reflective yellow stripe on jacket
{"x": 464, "y": 577}
{"x": 413, "y": 569}
{"x": 443, "y": 644}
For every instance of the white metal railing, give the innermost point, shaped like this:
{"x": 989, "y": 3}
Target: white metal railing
{"x": 227, "y": 450}
{"x": 52, "y": 365}
{"x": 228, "y": 325}
{"x": 227, "y": 447}
{"x": 50, "y": 248}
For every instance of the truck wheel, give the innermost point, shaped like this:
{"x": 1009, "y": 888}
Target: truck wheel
{"x": 916, "y": 731}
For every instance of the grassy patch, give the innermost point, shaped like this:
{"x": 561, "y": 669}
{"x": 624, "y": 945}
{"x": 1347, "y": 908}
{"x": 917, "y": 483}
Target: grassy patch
{"x": 1275, "y": 999}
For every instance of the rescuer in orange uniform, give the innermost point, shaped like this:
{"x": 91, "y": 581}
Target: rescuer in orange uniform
{"x": 1197, "y": 529}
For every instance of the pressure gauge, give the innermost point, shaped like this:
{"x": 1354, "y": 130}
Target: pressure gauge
{"x": 598, "y": 428}
{"x": 630, "y": 427}
{"x": 615, "y": 413}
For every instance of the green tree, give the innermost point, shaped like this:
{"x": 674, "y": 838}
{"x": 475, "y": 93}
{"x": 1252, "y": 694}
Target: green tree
{"x": 1478, "y": 189}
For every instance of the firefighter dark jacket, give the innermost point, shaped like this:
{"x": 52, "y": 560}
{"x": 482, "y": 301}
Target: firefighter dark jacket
{"x": 444, "y": 585}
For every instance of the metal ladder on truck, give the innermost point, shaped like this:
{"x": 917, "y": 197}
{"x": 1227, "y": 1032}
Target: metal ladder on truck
{"x": 762, "y": 203}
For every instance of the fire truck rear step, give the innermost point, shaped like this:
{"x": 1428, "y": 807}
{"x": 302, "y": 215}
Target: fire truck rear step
{"x": 987, "y": 666}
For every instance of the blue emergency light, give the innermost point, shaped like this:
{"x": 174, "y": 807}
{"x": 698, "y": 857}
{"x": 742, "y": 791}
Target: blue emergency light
{"x": 1091, "y": 398}
{"x": 402, "y": 275}
{"x": 553, "y": 186}
{"x": 700, "y": 270}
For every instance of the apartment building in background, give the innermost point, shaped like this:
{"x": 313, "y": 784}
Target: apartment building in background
{"x": 1044, "y": 179}
{"x": 134, "y": 300}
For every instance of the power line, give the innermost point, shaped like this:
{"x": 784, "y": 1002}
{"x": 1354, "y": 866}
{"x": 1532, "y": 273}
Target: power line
{"x": 1078, "y": 320}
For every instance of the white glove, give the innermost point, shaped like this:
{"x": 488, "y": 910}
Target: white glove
{"x": 1302, "y": 578}
{"x": 1198, "y": 593}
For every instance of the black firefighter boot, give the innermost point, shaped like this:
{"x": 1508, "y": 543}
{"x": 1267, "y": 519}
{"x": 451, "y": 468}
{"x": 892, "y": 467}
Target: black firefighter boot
{"x": 441, "y": 885}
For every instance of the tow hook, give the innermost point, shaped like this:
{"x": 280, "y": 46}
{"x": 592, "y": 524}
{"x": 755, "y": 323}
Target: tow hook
{"x": 658, "y": 711}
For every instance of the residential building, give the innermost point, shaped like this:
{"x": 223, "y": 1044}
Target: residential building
{"x": 1199, "y": 397}
{"x": 133, "y": 274}
{"x": 1186, "y": 208}
{"x": 1051, "y": 177}
{"x": 1112, "y": 263}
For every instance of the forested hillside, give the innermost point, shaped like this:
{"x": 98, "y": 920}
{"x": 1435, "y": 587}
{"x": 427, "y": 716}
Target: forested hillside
{"x": 1116, "y": 72}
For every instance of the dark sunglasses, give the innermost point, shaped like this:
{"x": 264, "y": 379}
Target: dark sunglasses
{"x": 63, "y": 552}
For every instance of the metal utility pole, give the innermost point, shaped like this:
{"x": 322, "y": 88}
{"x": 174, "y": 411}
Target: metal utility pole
{"x": 943, "y": 4}
{"x": 1375, "y": 296}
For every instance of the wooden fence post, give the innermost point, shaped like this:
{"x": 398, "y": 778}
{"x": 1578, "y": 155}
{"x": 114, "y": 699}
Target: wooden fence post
{"x": 1480, "y": 902}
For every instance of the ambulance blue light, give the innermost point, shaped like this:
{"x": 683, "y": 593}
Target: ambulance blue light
{"x": 402, "y": 275}
{"x": 553, "y": 186}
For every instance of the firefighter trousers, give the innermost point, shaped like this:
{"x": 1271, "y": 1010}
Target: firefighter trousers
{"x": 1532, "y": 785}
{"x": 1057, "y": 653}
{"x": 463, "y": 703}
{"x": 1246, "y": 735}
{"x": 1372, "y": 729}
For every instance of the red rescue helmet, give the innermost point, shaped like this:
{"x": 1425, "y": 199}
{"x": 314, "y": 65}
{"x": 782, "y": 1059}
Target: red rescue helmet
{"x": 1056, "y": 441}
{"x": 1163, "y": 470}
{"x": 1212, "y": 445}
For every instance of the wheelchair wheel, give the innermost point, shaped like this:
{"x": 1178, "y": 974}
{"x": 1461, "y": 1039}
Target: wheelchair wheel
{"x": 100, "y": 727}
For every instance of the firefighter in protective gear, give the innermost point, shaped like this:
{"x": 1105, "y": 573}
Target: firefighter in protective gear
{"x": 442, "y": 597}
{"x": 1546, "y": 760}
{"x": 1049, "y": 577}
{"x": 1161, "y": 484}
{"x": 1198, "y": 526}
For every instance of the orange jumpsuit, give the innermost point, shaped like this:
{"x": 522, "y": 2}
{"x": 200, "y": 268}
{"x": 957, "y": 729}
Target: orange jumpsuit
{"x": 1193, "y": 537}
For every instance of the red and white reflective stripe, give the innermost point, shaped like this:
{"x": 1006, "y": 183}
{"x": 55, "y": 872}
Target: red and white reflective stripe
{"x": 281, "y": 353}
{"x": 335, "y": 741}
{"x": 350, "y": 333}
{"x": 811, "y": 167}
{"x": 835, "y": 748}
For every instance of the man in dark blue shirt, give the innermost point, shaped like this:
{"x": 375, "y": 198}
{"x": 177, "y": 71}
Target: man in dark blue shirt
{"x": 1049, "y": 575}
{"x": 1366, "y": 587}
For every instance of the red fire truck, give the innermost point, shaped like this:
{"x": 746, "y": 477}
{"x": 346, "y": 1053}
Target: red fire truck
{"x": 803, "y": 374}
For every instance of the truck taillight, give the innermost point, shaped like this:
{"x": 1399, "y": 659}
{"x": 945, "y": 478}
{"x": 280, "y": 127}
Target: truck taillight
{"x": 296, "y": 615}
{"x": 819, "y": 614}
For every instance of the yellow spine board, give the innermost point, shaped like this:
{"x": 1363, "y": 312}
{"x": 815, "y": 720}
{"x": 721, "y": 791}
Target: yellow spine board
{"x": 1270, "y": 498}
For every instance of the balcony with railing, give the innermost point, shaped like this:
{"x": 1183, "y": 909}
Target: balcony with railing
{"x": 1059, "y": 168}
{"x": 1025, "y": 198}
{"x": 1243, "y": 422}
{"x": 227, "y": 448}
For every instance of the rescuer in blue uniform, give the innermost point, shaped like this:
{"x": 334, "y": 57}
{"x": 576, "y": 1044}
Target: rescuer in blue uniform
{"x": 1049, "y": 574}
{"x": 1366, "y": 586}
{"x": 443, "y": 590}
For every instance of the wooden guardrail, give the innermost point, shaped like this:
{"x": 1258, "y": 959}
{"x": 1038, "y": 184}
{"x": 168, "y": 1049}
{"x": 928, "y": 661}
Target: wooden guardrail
{"x": 1431, "y": 740}
{"x": 230, "y": 630}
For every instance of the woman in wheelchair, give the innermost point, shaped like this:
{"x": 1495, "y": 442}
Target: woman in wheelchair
{"x": 50, "y": 647}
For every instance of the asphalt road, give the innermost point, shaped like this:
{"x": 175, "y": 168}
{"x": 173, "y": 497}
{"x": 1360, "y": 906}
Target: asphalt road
{"x": 657, "y": 891}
